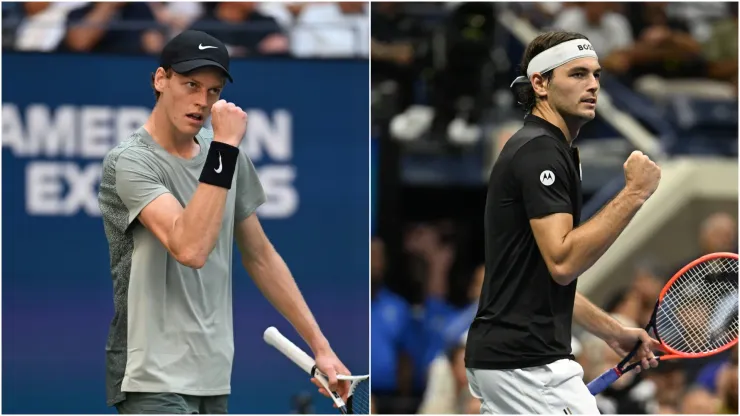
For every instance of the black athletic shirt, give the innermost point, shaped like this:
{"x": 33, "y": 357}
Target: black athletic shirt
{"x": 524, "y": 317}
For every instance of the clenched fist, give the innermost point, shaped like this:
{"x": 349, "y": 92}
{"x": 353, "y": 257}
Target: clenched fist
{"x": 229, "y": 123}
{"x": 641, "y": 174}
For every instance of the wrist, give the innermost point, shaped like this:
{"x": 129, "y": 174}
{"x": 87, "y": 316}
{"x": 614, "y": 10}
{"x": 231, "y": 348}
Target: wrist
{"x": 613, "y": 334}
{"x": 220, "y": 165}
{"x": 319, "y": 345}
{"x": 226, "y": 141}
{"x": 635, "y": 197}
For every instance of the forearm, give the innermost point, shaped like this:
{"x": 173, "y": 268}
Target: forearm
{"x": 84, "y": 36}
{"x": 274, "y": 280}
{"x": 196, "y": 230}
{"x": 594, "y": 320}
{"x": 587, "y": 243}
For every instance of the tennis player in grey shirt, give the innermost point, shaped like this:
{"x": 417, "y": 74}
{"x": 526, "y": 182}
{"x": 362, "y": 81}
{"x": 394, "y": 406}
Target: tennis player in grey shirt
{"x": 174, "y": 197}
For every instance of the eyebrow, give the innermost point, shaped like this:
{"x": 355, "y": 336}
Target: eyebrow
{"x": 583, "y": 69}
{"x": 223, "y": 82}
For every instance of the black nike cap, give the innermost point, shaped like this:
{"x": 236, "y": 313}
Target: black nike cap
{"x": 193, "y": 49}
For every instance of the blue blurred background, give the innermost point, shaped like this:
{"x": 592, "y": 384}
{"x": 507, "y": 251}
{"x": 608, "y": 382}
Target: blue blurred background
{"x": 442, "y": 110}
{"x": 302, "y": 76}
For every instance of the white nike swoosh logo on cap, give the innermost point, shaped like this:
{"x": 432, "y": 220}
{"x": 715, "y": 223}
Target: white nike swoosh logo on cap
{"x": 201, "y": 47}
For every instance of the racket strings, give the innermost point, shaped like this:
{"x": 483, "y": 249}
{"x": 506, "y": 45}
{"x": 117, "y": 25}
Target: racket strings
{"x": 698, "y": 312}
{"x": 359, "y": 399}
{"x": 707, "y": 312}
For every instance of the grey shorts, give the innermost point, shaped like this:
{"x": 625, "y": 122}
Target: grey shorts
{"x": 555, "y": 388}
{"x": 172, "y": 403}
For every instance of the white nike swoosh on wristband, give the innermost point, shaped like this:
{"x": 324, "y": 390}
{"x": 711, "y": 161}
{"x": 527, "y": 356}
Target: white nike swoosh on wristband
{"x": 220, "y": 166}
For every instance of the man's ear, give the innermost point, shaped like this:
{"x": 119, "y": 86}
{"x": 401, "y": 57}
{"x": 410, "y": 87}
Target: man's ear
{"x": 161, "y": 78}
{"x": 539, "y": 85}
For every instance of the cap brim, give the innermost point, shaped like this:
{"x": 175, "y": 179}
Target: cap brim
{"x": 188, "y": 66}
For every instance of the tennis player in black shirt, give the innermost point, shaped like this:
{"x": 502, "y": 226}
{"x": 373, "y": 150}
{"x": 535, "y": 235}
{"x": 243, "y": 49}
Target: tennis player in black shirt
{"x": 518, "y": 354}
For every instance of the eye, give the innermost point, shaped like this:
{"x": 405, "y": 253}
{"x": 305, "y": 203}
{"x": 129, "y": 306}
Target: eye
{"x": 215, "y": 91}
{"x": 597, "y": 75}
{"x": 191, "y": 84}
{"x": 578, "y": 75}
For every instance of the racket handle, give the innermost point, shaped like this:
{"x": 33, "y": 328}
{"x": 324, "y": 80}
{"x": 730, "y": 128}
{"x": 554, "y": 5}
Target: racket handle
{"x": 273, "y": 337}
{"x": 600, "y": 384}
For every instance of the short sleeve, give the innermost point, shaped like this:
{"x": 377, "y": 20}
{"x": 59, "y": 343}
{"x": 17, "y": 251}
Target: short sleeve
{"x": 541, "y": 170}
{"x": 136, "y": 184}
{"x": 249, "y": 192}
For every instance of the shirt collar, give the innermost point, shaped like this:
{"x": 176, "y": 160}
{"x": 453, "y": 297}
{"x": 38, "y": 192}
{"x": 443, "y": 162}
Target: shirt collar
{"x": 553, "y": 129}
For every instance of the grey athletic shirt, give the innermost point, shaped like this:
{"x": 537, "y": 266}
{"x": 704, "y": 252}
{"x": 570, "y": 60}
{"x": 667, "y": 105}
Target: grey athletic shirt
{"x": 172, "y": 327}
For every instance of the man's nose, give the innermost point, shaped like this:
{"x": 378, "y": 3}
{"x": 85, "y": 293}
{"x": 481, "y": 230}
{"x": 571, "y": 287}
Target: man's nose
{"x": 201, "y": 98}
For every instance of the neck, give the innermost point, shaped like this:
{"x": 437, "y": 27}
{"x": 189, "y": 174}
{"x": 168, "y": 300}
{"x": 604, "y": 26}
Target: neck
{"x": 569, "y": 129}
{"x": 166, "y": 135}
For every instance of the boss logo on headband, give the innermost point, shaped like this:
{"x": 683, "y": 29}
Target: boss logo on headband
{"x": 585, "y": 47}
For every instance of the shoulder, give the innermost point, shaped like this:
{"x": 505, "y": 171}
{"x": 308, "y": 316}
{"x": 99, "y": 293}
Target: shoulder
{"x": 540, "y": 146}
{"x": 131, "y": 152}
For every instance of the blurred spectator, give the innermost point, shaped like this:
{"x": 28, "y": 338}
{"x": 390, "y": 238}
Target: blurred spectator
{"x": 715, "y": 389}
{"x": 718, "y": 234}
{"x": 721, "y": 48}
{"x": 394, "y": 41}
{"x": 432, "y": 257}
{"x": 663, "y": 46}
{"x": 670, "y": 384}
{"x": 390, "y": 321}
{"x": 636, "y": 303}
{"x": 331, "y": 30}
{"x": 606, "y": 29}
{"x": 699, "y": 401}
{"x": 44, "y": 25}
{"x": 727, "y": 385}
{"x": 285, "y": 13}
{"x": 459, "y": 323}
{"x": 177, "y": 15}
{"x": 98, "y": 27}
{"x": 243, "y": 29}
{"x": 447, "y": 390}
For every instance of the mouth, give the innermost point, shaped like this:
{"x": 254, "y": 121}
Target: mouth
{"x": 195, "y": 117}
{"x": 589, "y": 100}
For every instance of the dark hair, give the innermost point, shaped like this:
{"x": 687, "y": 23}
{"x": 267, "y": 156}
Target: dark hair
{"x": 168, "y": 73}
{"x": 524, "y": 92}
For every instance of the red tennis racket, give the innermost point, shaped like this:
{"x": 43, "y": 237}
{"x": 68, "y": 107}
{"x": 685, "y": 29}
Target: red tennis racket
{"x": 696, "y": 315}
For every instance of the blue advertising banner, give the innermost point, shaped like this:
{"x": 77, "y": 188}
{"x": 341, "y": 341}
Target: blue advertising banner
{"x": 307, "y": 135}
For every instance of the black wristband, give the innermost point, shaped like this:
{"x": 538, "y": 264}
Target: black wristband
{"x": 220, "y": 165}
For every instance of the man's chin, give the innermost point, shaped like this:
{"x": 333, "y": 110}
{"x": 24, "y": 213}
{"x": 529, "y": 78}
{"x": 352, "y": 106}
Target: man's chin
{"x": 189, "y": 129}
{"x": 587, "y": 115}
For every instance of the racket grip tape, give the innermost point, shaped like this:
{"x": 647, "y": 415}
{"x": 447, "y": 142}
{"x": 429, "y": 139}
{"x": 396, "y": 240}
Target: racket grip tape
{"x": 273, "y": 337}
{"x": 600, "y": 384}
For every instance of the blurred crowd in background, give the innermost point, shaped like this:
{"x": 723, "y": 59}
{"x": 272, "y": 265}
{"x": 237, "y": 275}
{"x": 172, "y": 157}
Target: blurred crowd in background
{"x": 418, "y": 342}
{"x": 442, "y": 109}
{"x": 294, "y": 29}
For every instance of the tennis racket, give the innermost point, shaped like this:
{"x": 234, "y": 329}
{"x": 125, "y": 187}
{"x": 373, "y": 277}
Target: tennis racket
{"x": 358, "y": 400}
{"x": 695, "y": 315}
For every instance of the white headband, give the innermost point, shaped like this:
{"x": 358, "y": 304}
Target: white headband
{"x": 556, "y": 56}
